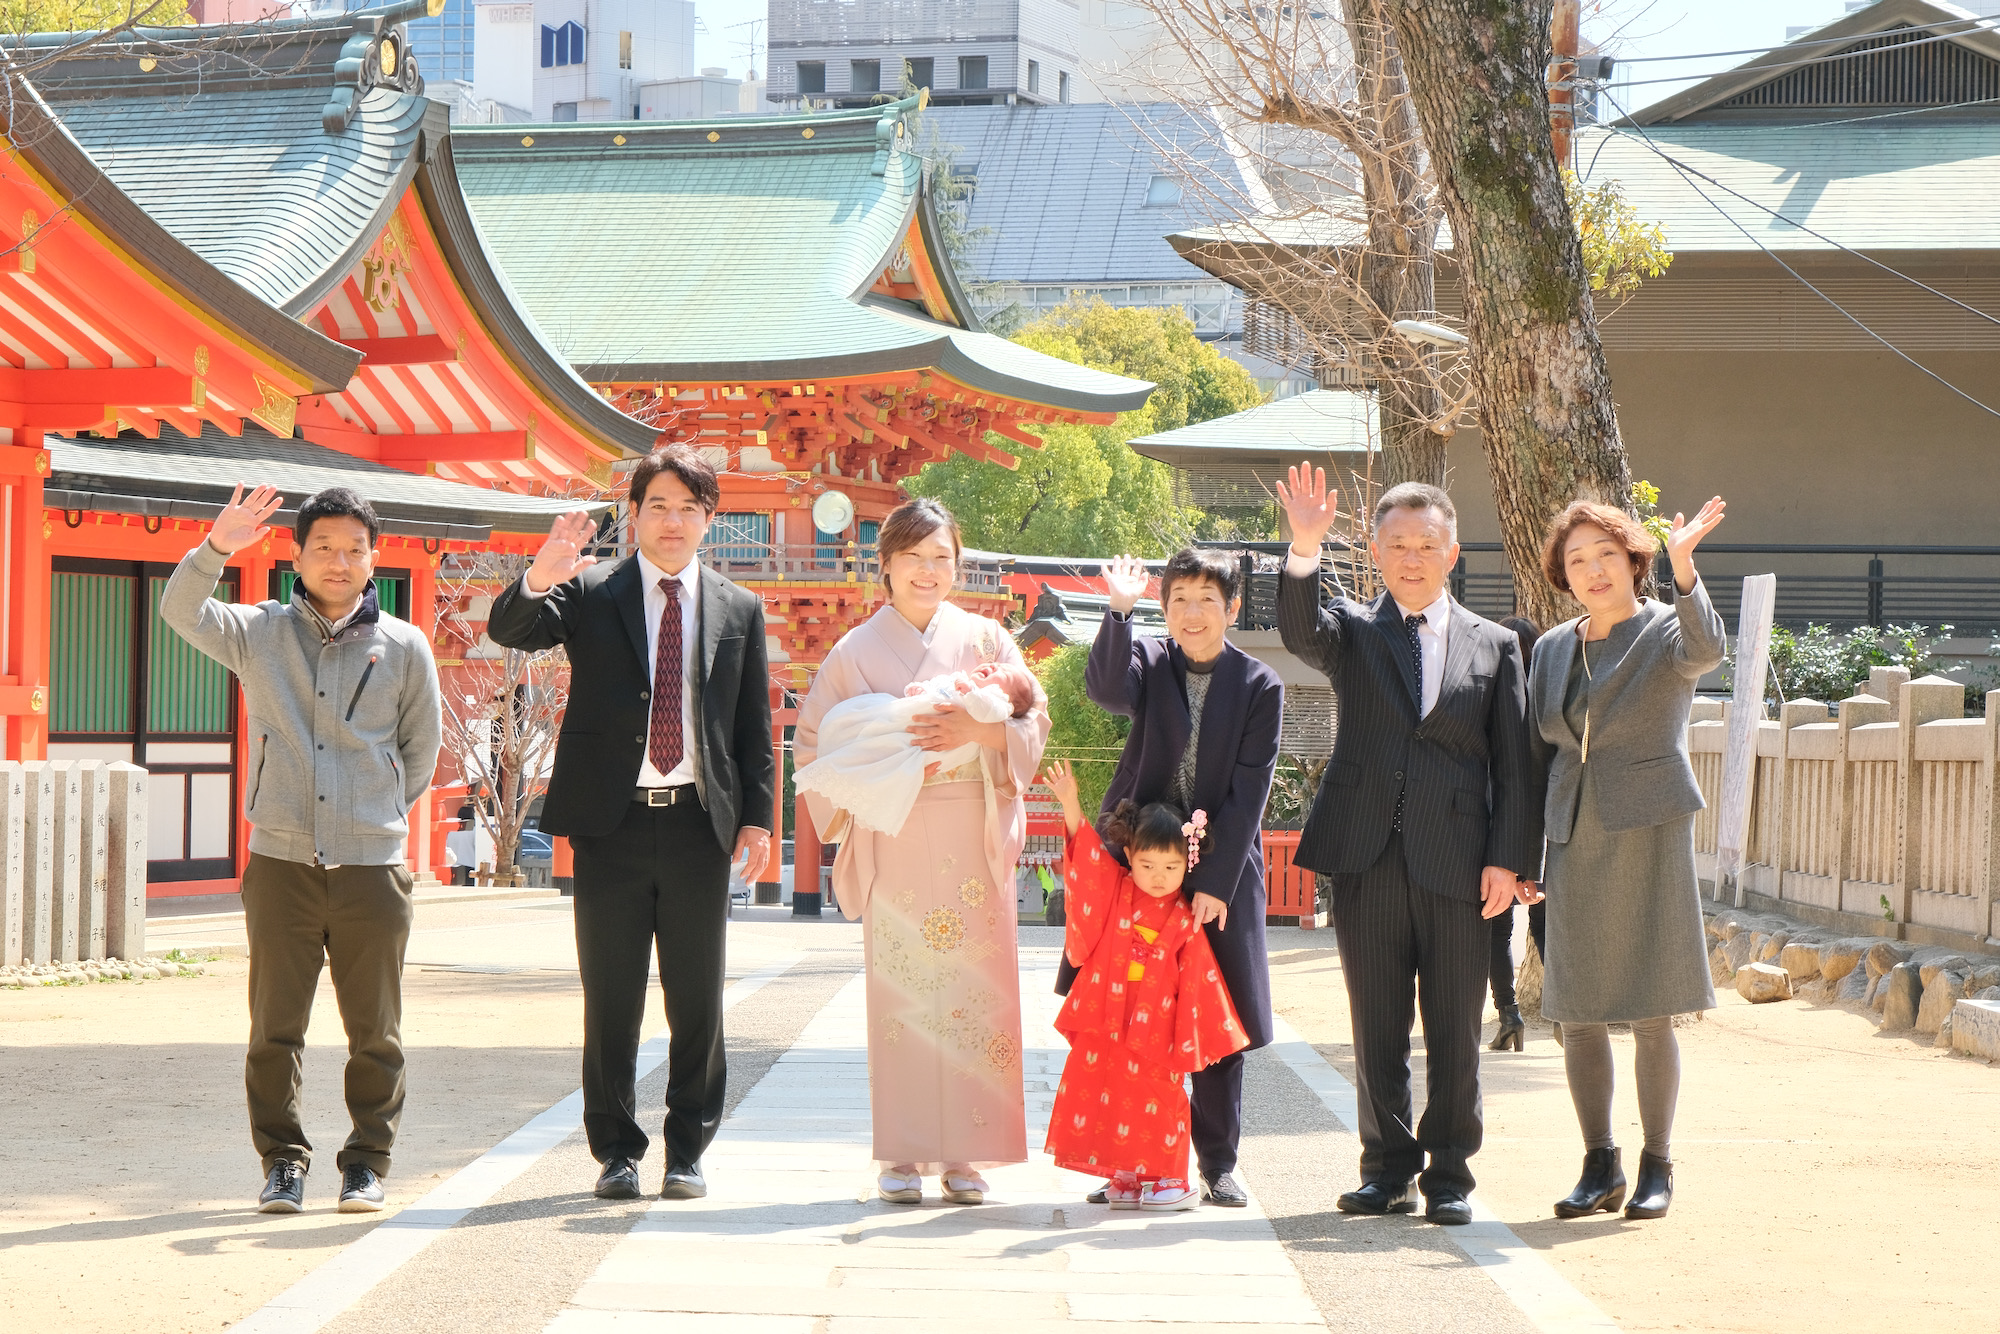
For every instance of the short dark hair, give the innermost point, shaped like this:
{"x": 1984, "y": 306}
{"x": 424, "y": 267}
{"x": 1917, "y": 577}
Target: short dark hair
{"x": 1623, "y": 530}
{"x": 336, "y": 502}
{"x": 1154, "y": 827}
{"x": 687, "y": 465}
{"x": 1526, "y": 631}
{"x": 910, "y": 523}
{"x": 1220, "y": 568}
{"x": 1416, "y": 496}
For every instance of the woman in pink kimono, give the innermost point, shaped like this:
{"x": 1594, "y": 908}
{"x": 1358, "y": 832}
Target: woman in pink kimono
{"x": 936, "y": 899}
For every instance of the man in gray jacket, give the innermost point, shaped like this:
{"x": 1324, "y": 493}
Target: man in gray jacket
{"x": 344, "y": 727}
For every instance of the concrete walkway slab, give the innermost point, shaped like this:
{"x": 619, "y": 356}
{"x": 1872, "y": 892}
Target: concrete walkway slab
{"x": 793, "y": 1237}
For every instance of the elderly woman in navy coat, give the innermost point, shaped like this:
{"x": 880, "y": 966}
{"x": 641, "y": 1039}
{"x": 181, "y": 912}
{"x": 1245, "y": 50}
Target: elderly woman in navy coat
{"x": 1204, "y": 737}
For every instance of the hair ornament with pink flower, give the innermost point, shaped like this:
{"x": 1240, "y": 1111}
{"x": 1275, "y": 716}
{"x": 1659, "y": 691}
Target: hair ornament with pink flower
{"x": 1194, "y": 831}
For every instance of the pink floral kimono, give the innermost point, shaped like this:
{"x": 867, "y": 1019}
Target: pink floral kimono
{"x": 937, "y": 904}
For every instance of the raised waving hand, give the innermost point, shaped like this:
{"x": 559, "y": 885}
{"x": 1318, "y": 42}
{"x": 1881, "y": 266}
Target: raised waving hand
{"x": 1125, "y": 579}
{"x": 1310, "y": 508}
{"x": 561, "y": 558}
{"x": 1687, "y": 535}
{"x": 244, "y": 520}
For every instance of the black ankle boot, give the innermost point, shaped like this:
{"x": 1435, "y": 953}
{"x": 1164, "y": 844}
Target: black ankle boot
{"x": 1511, "y": 1030}
{"x": 1655, "y": 1191}
{"x": 1601, "y": 1188}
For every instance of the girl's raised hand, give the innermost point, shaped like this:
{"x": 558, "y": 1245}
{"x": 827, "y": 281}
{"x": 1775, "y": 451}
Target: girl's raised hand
{"x": 1061, "y": 780}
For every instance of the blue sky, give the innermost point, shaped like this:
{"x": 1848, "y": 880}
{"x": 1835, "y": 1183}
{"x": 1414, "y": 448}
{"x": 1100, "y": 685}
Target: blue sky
{"x": 1663, "y": 28}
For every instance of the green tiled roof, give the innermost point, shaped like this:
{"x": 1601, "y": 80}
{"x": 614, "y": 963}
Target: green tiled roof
{"x": 178, "y": 477}
{"x": 1883, "y": 185}
{"x": 250, "y": 180}
{"x": 1317, "y": 422}
{"x": 1872, "y": 186}
{"x": 675, "y": 257}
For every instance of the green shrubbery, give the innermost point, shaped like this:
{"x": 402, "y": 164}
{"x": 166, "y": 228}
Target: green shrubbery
{"x": 1827, "y": 666}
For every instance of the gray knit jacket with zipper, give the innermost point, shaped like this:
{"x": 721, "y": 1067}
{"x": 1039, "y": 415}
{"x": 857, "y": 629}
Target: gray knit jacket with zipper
{"x": 344, "y": 733}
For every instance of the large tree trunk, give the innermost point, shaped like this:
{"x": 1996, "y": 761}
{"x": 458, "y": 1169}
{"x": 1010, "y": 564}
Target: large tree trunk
{"x": 1476, "y": 71}
{"x": 1398, "y": 272}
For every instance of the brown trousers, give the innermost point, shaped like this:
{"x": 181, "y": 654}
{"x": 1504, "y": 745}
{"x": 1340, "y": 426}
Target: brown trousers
{"x": 357, "y": 919}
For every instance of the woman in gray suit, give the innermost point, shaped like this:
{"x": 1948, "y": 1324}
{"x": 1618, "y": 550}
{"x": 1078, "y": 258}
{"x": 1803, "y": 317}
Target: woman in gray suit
{"x": 1609, "y": 694}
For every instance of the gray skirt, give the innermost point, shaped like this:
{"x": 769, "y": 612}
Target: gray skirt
{"x": 1624, "y": 923}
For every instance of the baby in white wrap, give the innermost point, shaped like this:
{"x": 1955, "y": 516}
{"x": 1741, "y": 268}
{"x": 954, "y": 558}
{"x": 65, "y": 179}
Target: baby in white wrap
{"x": 869, "y": 764}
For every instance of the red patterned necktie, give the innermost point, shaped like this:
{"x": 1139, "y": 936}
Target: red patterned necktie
{"x": 663, "y": 737}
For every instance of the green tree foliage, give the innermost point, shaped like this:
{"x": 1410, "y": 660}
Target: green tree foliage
{"x": 25, "y": 16}
{"x": 1081, "y": 732}
{"x": 1820, "y": 664}
{"x": 1619, "y": 251}
{"x": 1085, "y": 493}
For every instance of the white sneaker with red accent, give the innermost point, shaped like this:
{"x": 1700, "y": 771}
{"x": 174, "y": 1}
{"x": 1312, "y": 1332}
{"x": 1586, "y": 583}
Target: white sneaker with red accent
{"x": 1167, "y": 1195}
{"x": 1122, "y": 1191}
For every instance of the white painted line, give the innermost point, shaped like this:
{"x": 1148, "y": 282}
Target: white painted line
{"x": 324, "y": 1293}
{"x": 1529, "y": 1281}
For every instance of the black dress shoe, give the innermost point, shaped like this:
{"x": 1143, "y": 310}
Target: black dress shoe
{"x": 1601, "y": 1188}
{"x": 1655, "y": 1191}
{"x": 684, "y": 1182}
{"x": 619, "y": 1180}
{"x": 284, "y": 1189}
{"x": 1098, "y": 1196}
{"x": 1222, "y": 1189}
{"x": 1379, "y": 1197}
{"x": 1448, "y": 1210}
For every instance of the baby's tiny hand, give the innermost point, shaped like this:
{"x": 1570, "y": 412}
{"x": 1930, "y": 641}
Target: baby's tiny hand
{"x": 913, "y": 689}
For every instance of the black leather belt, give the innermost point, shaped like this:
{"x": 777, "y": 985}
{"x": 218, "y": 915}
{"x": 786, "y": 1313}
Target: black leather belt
{"x": 665, "y": 796}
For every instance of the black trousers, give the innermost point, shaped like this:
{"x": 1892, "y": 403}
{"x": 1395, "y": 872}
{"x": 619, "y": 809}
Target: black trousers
{"x": 658, "y": 884}
{"x": 1502, "y": 959}
{"x": 1216, "y": 1127}
{"x": 1403, "y": 950}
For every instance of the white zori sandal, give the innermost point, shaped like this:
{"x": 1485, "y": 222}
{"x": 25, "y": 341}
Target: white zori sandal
{"x": 901, "y": 1185}
{"x": 1168, "y": 1194}
{"x": 962, "y": 1185}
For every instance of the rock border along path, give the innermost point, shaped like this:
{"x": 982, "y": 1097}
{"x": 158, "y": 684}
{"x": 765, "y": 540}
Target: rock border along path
{"x": 793, "y": 1240}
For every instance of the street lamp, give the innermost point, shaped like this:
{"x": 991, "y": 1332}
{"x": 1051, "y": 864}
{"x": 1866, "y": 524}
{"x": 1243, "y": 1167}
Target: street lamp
{"x": 1433, "y": 335}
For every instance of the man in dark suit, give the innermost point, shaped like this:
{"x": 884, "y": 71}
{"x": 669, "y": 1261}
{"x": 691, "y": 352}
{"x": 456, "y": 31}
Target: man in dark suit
{"x": 663, "y": 773}
{"x": 1205, "y": 737}
{"x": 1428, "y": 819}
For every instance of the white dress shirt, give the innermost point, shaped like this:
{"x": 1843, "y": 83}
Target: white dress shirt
{"x": 1437, "y": 618}
{"x": 656, "y": 603}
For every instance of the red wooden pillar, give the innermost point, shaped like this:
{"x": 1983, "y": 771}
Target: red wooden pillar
{"x": 24, "y": 675}
{"x": 772, "y": 887}
{"x": 563, "y": 865}
{"x": 425, "y": 853}
{"x": 253, "y": 565}
{"x": 805, "y": 863}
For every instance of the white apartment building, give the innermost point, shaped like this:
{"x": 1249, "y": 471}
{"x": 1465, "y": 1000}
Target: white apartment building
{"x": 559, "y": 60}
{"x": 850, "y": 53}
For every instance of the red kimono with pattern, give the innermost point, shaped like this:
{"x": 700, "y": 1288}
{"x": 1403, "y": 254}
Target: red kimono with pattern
{"x": 1148, "y": 1006}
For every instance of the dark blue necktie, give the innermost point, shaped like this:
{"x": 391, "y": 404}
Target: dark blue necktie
{"x": 1413, "y": 625}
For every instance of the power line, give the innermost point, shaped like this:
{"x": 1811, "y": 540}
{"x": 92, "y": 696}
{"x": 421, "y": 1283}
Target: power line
{"x": 1688, "y": 170}
{"x": 1814, "y": 60}
{"x": 1962, "y": 25}
{"x": 1779, "y": 260}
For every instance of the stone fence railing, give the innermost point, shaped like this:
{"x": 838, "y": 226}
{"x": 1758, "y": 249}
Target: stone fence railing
{"x": 1877, "y": 817}
{"x": 72, "y": 861}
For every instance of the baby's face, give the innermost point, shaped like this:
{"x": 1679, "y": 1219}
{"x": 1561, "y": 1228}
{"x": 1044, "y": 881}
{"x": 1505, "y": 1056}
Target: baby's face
{"x": 1016, "y": 680}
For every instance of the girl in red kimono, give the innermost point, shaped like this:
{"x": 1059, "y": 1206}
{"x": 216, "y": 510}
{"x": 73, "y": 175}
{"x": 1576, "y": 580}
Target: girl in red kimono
{"x": 1148, "y": 1005}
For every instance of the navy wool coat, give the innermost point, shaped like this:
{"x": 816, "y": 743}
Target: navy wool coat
{"x": 1146, "y": 680}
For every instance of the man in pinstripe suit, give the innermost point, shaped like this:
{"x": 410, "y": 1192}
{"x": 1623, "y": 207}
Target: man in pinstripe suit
{"x": 1428, "y": 819}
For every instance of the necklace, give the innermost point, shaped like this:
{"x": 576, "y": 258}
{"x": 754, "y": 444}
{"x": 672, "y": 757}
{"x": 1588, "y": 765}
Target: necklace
{"x": 1583, "y": 651}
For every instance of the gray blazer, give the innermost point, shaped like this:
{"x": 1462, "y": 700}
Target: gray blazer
{"x": 1639, "y": 767}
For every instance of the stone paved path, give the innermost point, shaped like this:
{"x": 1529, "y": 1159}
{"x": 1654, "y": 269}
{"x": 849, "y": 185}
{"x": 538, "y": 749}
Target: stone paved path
{"x": 793, "y": 1240}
